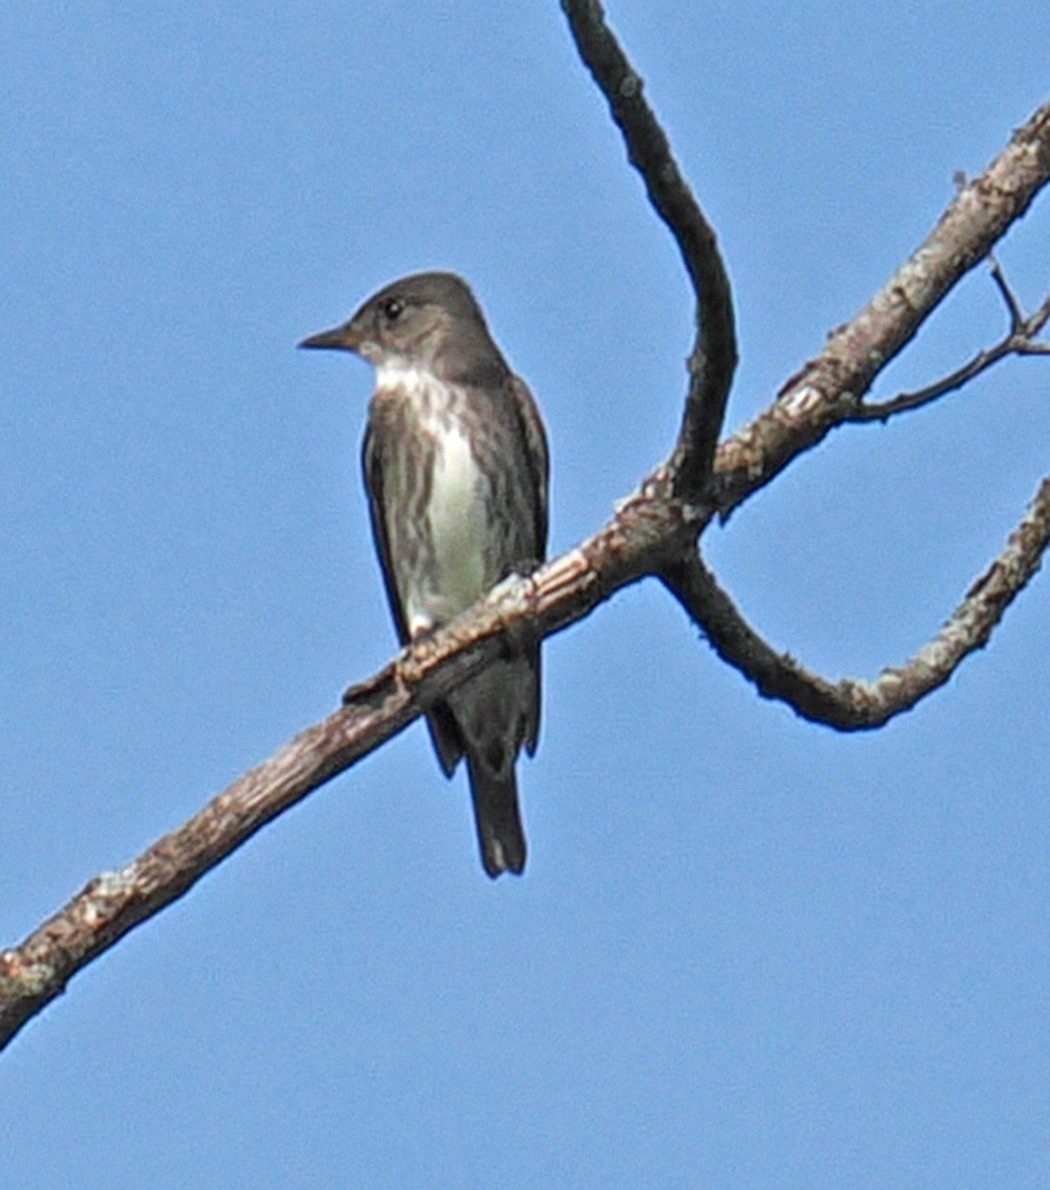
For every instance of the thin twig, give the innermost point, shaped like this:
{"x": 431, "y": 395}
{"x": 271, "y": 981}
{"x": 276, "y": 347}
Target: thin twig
{"x": 852, "y": 704}
{"x": 713, "y": 360}
{"x": 1013, "y": 306}
{"x": 1018, "y": 340}
{"x": 1025, "y": 329}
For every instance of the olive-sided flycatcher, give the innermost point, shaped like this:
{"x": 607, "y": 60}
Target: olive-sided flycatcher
{"x": 456, "y": 467}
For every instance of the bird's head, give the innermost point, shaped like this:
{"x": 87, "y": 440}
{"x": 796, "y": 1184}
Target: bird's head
{"x": 418, "y": 322}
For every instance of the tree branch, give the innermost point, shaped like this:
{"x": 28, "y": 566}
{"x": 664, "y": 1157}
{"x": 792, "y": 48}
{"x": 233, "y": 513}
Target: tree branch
{"x": 827, "y": 390}
{"x": 713, "y": 360}
{"x": 852, "y": 704}
{"x": 647, "y": 528}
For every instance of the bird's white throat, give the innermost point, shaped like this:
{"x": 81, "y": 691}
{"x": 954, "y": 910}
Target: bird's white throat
{"x": 396, "y": 372}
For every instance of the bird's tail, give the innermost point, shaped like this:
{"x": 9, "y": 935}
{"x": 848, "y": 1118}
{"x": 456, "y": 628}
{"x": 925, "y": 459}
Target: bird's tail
{"x": 498, "y": 820}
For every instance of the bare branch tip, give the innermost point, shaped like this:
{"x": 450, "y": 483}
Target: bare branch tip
{"x": 1013, "y": 306}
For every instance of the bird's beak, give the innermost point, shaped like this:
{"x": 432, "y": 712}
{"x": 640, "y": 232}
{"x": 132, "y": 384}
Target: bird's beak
{"x": 339, "y": 338}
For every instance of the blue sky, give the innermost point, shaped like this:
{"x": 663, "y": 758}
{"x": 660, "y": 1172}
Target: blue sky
{"x": 747, "y": 951}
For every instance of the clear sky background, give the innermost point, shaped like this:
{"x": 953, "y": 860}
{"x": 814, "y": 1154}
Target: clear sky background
{"x": 747, "y": 951}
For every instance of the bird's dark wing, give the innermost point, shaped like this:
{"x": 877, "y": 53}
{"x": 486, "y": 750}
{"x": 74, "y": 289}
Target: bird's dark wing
{"x": 372, "y": 464}
{"x": 443, "y": 731}
{"x": 535, "y": 438}
{"x": 539, "y": 458}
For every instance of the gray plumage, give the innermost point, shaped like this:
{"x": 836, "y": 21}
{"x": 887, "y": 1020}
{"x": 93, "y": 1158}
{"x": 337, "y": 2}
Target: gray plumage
{"x": 456, "y": 467}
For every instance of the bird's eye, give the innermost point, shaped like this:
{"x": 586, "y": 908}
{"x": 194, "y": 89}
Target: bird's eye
{"x": 393, "y": 308}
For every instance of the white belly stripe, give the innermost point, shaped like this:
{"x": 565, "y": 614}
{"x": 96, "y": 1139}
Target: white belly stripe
{"x": 457, "y": 527}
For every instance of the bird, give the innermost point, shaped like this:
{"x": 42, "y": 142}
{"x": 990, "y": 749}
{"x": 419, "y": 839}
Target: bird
{"x": 457, "y": 471}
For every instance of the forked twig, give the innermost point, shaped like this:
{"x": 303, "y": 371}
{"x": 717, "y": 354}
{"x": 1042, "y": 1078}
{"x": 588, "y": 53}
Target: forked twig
{"x": 1018, "y": 340}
